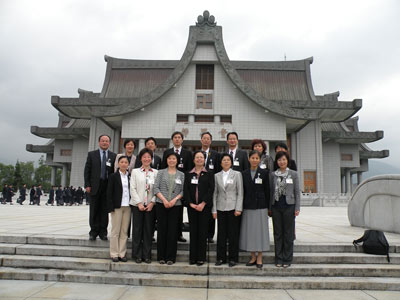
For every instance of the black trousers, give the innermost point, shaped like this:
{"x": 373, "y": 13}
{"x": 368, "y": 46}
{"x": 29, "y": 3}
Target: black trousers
{"x": 98, "y": 215}
{"x": 167, "y": 231}
{"x": 142, "y": 233}
{"x": 283, "y": 222}
{"x": 211, "y": 227}
{"x": 198, "y": 228}
{"x": 228, "y": 228}
{"x": 180, "y": 221}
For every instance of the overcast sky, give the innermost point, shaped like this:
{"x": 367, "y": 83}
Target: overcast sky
{"x": 55, "y": 47}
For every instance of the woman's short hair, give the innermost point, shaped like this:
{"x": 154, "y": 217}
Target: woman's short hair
{"x": 199, "y": 151}
{"x": 227, "y": 154}
{"x": 261, "y": 142}
{"x": 252, "y": 152}
{"x": 143, "y": 151}
{"x": 128, "y": 141}
{"x": 281, "y": 145}
{"x": 174, "y": 154}
{"x": 123, "y": 156}
{"x": 280, "y": 154}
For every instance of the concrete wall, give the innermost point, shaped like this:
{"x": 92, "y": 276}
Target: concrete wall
{"x": 62, "y": 145}
{"x": 79, "y": 155}
{"x": 248, "y": 119}
{"x": 353, "y": 150}
{"x": 98, "y": 127}
{"x": 331, "y": 161}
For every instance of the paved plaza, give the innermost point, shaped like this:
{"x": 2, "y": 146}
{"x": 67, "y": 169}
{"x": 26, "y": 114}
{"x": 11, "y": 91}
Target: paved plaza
{"x": 319, "y": 225}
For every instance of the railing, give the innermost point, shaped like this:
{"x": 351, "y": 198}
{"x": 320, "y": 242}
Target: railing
{"x": 324, "y": 199}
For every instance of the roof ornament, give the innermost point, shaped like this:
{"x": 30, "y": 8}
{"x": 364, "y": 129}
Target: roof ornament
{"x": 206, "y": 19}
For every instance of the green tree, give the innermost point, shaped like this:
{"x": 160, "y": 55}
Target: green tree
{"x": 43, "y": 175}
{"x": 6, "y": 174}
{"x": 17, "y": 183}
{"x": 27, "y": 172}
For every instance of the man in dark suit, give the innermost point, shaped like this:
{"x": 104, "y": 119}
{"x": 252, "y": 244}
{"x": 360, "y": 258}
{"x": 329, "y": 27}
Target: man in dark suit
{"x": 38, "y": 194}
{"x": 151, "y": 144}
{"x": 185, "y": 164}
{"x": 212, "y": 165}
{"x": 240, "y": 159}
{"x": 22, "y": 194}
{"x": 99, "y": 165}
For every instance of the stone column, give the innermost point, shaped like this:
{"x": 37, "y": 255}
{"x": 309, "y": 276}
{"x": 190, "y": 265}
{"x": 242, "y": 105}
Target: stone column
{"x": 342, "y": 185}
{"x": 348, "y": 181}
{"x": 64, "y": 175}
{"x": 359, "y": 178}
{"x": 53, "y": 176}
{"x": 141, "y": 145}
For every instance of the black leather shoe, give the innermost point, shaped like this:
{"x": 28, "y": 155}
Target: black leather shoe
{"x": 138, "y": 260}
{"x": 162, "y": 262}
{"x": 250, "y": 263}
{"x": 192, "y": 262}
{"x": 232, "y": 264}
{"x": 200, "y": 263}
{"x": 92, "y": 237}
{"x": 170, "y": 263}
{"x": 182, "y": 239}
{"x": 147, "y": 261}
{"x": 115, "y": 259}
{"x": 259, "y": 266}
{"x": 103, "y": 238}
{"x": 123, "y": 259}
{"x": 219, "y": 262}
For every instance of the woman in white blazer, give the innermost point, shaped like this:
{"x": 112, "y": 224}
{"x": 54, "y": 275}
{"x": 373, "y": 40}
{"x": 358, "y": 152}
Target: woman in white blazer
{"x": 227, "y": 208}
{"x": 143, "y": 211}
{"x": 129, "y": 146}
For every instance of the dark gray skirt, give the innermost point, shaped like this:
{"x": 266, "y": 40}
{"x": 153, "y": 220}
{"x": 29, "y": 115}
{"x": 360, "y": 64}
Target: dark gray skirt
{"x": 254, "y": 232}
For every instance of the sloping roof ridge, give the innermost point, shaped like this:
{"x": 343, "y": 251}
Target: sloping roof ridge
{"x": 292, "y": 65}
{"x": 126, "y": 63}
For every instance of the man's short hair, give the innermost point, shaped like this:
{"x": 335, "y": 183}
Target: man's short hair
{"x": 232, "y": 132}
{"x": 100, "y": 136}
{"x": 207, "y": 132}
{"x": 150, "y": 139}
{"x": 175, "y": 133}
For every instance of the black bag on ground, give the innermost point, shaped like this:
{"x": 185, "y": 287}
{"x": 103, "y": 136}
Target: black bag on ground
{"x": 374, "y": 242}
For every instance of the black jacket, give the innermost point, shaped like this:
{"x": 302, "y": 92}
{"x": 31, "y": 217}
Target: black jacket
{"x": 92, "y": 172}
{"x": 213, "y": 159}
{"x": 114, "y": 191}
{"x": 205, "y": 188}
{"x": 256, "y": 196}
{"x": 186, "y": 158}
{"x": 241, "y": 157}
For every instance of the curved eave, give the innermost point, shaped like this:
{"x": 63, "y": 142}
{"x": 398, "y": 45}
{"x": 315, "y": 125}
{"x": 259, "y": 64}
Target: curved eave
{"x": 202, "y": 35}
{"x": 351, "y": 137}
{"x": 60, "y": 133}
{"x": 40, "y": 148}
{"x": 374, "y": 154}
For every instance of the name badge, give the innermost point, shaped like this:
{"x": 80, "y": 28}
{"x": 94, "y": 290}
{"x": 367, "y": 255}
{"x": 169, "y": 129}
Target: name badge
{"x": 180, "y": 166}
{"x": 108, "y": 164}
{"x": 211, "y": 167}
{"x": 263, "y": 166}
{"x": 258, "y": 180}
{"x": 178, "y": 181}
{"x": 236, "y": 163}
{"x": 150, "y": 181}
{"x": 289, "y": 180}
{"x": 229, "y": 181}
{"x": 195, "y": 181}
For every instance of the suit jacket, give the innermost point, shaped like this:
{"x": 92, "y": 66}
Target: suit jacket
{"x": 186, "y": 158}
{"x": 114, "y": 191}
{"x": 138, "y": 186}
{"x": 205, "y": 188}
{"x": 230, "y": 196}
{"x": 241, "y": 157}
{"x": 213, "y": 159}
{"x": 157, "y": 163}
{"x": 256, "y": 196}
{"x": 131, "y": 164}
{"x": 267, "y": 162}
{"x": 292, "y": 189}
{"x": 161, "y": 185}
{"x": 92, "y": 172}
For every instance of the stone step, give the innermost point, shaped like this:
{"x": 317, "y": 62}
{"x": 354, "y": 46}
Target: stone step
{"x": 329, "y": 270}
{"x": 183, "y": 256}
{"x": 84, "y": 242}
{"x": 202, "y": 281}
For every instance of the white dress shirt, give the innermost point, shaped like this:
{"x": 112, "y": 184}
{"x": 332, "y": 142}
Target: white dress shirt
{"x": 225, "y": 176}
{"x": 125, "y": 189}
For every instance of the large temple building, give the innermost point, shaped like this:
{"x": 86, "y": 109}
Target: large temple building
{"x": 206, "y": 91}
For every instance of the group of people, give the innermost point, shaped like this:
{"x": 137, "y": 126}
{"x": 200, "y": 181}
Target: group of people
{"x": 68, "y": 196}
{"x": 237, "y": 189}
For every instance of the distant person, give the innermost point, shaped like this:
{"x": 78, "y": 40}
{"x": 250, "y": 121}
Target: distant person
{"x": 284, "y": 206}
{"x": 240, "y": 160}
{"x": 32, "y": 195}
{"x": 118, "y": 197}
{"x": 151, "y": 144}
{"x": 59, "y": 196}
{"x": 266, "y": 162}
{"x": 227, "y": 208}
{"x": 10, "y": 194}
{"x": 292, "y": 163}
{"x": 79, "y": 196}
{"x": 51, "y": 196}
{"x": 129, "y": 146}
{"x": 22, "y": 195}
{"x": 39, "y": 193}
{"x": 99, "y": 166}
{"x": 4, "y": 194}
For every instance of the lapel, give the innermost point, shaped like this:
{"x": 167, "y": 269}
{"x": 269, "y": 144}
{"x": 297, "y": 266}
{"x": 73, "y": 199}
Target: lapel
{"x": 97, "y": 157}
{"x": 231, "y": 176}
{"x": 119, "y": 179}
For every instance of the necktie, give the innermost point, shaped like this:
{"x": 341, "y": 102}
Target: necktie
{"x": 103, "y": 166}
{"x": 231, "y": 154}
{"x": 177, "y": 151}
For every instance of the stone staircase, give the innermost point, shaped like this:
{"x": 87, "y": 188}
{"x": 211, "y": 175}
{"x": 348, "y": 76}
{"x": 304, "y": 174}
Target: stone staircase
{"x": 315, "y": 266}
